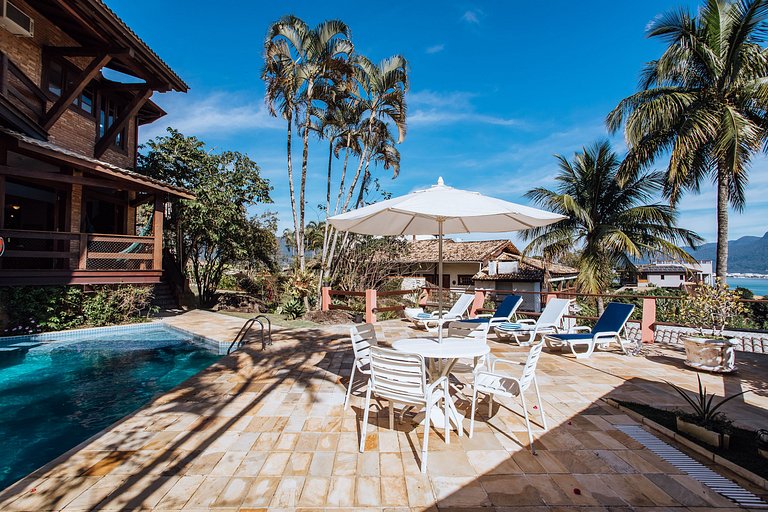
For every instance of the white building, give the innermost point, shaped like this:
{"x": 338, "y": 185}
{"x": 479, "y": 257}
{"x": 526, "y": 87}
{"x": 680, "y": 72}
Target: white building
{"x": 674, "y": 274}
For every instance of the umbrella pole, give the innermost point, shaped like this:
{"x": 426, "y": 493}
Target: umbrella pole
{"x": 440, "y": 280}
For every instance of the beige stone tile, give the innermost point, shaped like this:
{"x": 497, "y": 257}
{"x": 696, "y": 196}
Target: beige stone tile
{"x": 207, "y": 492}
{"x": 261, "y": 492}
{"x": 275, "y": 464}
{"x": 510, "y": 490}
{"x": 342, "y": 491}
{"x": 234, "y": 492}
{"x": 180, "y": 493}
{"x": 459, "y": 492}
{"x": 345, "y": 464}
{"x": 228, "y": 464}
{"x": 367, "y": 491}
{"x": 368, "y": 464}
{"x": 298, "y": 464}
{"x": 315, "y": 492}
{"x": 288, "y": 492}
{"x": 419, "y": 491}
{"x": 393, "y": 491}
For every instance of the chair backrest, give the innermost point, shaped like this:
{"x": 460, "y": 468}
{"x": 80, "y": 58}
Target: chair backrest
{"x": 398, "y": 376}
{"x": 508, "y": 306}
{"x": 614, "y": 317}
{"x": 554, "y": 311}
{"x": 529, "y": 371}
{"x": 363, "y": 338}
{"x": 462, "y": 304}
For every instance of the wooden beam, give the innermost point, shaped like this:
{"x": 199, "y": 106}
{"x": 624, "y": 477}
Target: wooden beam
{"x": 128, "y": 113}
{"x": 67, "y": 97}
{"x": 19, "y": 172}
{"x": 118, "y": 86}
{"x": 85, "y": 51}
{"x": 65, "y": 5}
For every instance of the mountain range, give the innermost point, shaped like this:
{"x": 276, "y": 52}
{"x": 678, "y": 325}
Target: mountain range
{"x": 747, "y": 254}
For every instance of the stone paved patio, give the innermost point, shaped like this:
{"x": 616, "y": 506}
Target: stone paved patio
{"x": 266, "y": 430}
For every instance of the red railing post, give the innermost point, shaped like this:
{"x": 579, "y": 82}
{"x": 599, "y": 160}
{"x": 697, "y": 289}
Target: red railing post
{"x": 478, "y": 303}
{"x": 370, "y": 305}
{"x": 325, "y": 298}
{"x": 648, "y": 319}
{"x": 424, "y": 296}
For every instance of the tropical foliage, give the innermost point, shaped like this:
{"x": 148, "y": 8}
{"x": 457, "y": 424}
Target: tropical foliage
{"x": 704, "y": 103}
{"x": 712, "y": 308}
{"x": 611, "y": 221}
{"x": 705, "y": 411}
{"x": 314, "y": 79}
{"x": 215, "y": 230}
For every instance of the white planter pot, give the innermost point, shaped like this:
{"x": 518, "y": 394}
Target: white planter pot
{"x": 709, "y": 355}
{"x": 710, "y": 437}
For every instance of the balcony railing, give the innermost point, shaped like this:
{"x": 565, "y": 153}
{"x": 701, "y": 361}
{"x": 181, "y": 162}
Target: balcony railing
{"x": 55, "y": 250}
{"x": 20, "y": 90}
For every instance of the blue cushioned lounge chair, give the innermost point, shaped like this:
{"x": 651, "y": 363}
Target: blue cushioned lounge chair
{"x": 505, "y": 312}
{"x": 607, "y": 329}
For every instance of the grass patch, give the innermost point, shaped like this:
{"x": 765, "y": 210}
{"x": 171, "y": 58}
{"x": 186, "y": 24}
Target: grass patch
{"x": 277, "y": 320}
{"x": 743, "y": 445}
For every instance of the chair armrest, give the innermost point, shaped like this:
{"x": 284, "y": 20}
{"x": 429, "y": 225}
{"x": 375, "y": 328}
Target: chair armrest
{"x": 528, "y": 321}
{"x": 504, "y": 361}
{"x": 606, "y": 334}
{"x": 498, "y": 320}
{"x": 484, "y": 315}
{"x": 581, "y": 328}
{"x": 442, "y": 381}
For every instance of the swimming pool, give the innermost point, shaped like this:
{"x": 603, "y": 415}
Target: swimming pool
{"x": 60, "y": 389}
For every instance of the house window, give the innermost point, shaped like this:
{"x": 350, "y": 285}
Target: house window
{"x": 108, "y": 109}
{"x": 662, "y": 277}
{"x": 61, "y": 77}
{"x": 465, "y": 280}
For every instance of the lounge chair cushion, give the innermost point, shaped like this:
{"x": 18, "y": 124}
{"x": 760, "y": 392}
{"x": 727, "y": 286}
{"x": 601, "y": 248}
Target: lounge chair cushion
{"x": 571, "y": 337}
{"x": 512, "y": 326}
{"x": 424, "y": 315}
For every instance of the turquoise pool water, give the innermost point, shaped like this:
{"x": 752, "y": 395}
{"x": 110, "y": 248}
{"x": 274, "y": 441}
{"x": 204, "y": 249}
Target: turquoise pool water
{"x": 55, "y": 394}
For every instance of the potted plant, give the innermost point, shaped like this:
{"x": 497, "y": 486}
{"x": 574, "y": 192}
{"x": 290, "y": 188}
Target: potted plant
{"x": 705, "y": 423}
{"x": 711, "y": 309}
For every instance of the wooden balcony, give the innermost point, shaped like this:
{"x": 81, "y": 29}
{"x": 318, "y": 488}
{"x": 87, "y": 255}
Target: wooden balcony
{"x": 54, "y": 257}
{"x": 22, "y": 102}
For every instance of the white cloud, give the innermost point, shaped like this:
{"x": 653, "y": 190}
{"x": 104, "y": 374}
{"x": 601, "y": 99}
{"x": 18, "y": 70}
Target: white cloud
{"x": 436, "y": 48}
{"x": 217, "y": 113}
{"x": 441, "y": 108}
{"x": 472, "y": 16}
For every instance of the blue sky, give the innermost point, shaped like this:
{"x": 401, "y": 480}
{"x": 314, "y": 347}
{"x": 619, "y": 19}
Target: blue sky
{"x": 497, "y": 88}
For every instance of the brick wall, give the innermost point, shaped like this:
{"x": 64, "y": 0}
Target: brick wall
{"x": 72, "y": 131}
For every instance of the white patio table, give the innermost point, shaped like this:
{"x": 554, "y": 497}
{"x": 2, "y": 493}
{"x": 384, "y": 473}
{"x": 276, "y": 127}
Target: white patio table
{"x": 444, "y": 356}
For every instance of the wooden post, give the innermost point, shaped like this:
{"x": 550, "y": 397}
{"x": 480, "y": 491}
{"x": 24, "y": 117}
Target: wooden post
{"x": 370, "y": 305}
{"x": 478, "y": 303}
{"x": 82, "y": 262}
{"x": 648, "y": 319}
{"x": 157, "y": 232}
{"x": 325, "y": 298}
{"x": 80, "y": 246}
{"x": 2, "y": 202}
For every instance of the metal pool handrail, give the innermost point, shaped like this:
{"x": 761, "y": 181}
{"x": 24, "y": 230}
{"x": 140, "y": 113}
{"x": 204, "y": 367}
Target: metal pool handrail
{"x": 246, "y": 328}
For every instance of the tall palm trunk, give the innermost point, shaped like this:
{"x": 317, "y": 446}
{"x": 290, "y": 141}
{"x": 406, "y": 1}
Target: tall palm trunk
{"x": 326, "y": 231}
{"x": 290, "y": 187}
{"x": 335, "y": 233}
{"x": 723, "y": 189}
{"x": 304, "y": 160}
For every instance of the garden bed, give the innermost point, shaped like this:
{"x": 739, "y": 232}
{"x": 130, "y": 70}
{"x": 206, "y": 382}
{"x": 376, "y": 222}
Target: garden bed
{"x": 743, "y": 444}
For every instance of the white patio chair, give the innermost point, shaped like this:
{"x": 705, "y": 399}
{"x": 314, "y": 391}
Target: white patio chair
{"x": 432, "y": 321}
{"x": 363, "y": 337}
{"x": 493, "y": 383}
{"x": 401, "y": 378}
{"x": 524, "y": 332}
{"x": 473, "y": 334}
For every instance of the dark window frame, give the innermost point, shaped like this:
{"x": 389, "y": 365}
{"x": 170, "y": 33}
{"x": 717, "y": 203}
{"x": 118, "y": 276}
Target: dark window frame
{"x": 108, "y": 104}
{"x": 68, "y": 72}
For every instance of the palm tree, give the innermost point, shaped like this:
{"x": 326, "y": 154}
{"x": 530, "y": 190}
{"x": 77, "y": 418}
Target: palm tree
{"x": 705, "y": 102}
{"x": 316, "y": 58}
{"x": 609, "y": 219}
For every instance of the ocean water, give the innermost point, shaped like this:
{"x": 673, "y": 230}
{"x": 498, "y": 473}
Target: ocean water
{"x": 758, "y": 286}
{"x": 57, "y": 394}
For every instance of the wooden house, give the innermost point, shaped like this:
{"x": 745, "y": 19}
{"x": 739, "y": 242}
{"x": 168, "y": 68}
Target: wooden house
{"x": 75, "y": 86}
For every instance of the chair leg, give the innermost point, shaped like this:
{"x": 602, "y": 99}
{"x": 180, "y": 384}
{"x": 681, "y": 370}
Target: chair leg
{"x": 472, "y": 413}
{"x": 391, "y": 415}
{"x": 365, "y": 419}
{"x": 541, "y": 407}
{"x": 447, "y": 415}
{"x": 349, "y": 388}
{"x": 490, "y": 405}
{"x": 425, "y": 445}
{"x": 527, "y": 423}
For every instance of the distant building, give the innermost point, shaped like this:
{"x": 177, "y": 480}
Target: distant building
{"x": 487, "y": 264}
{"x": 672, "y": 274}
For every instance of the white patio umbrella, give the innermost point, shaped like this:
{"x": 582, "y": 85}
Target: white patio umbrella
{"x": 441, "y": 210}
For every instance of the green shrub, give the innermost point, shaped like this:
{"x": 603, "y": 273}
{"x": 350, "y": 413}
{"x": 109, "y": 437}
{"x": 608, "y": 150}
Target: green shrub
{"x": 33, "y": 309}
{"x": 292, "y": 308}
{"x": 228, "y": 282}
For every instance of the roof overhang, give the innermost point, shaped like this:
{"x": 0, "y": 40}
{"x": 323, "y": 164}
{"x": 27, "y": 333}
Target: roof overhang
{"x": 59, "y": 156}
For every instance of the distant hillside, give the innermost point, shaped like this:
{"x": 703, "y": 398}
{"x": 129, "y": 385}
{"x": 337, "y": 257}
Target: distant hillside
{"x": 747, "y": 254}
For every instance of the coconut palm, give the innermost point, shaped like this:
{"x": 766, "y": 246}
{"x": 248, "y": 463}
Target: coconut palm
{"x": 316, "y": 58}
{"x": 704, "y": 102}
{"x": 611, "y": 221}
